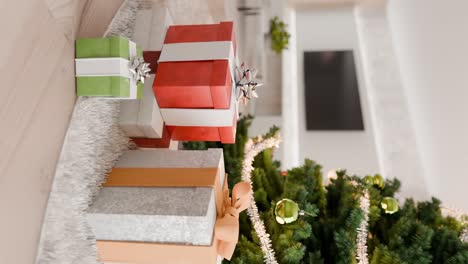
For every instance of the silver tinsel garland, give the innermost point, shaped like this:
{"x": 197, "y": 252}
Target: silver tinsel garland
{"x": 361, "y": 239}
{"x": 252, "y": 149}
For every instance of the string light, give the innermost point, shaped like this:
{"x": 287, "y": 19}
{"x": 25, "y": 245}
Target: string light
{"x": 461, "y": 216}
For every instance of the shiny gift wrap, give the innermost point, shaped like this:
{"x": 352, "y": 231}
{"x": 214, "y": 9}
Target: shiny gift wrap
{"x": 196, "y": 66}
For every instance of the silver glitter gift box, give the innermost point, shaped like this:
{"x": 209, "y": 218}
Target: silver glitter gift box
{"x": 183, "y": 215}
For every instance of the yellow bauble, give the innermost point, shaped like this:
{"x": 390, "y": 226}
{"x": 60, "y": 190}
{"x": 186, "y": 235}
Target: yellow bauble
{"x": 286, "y": 211}
{"x": 379, "y": 181}
{"x": 390, "y": 205}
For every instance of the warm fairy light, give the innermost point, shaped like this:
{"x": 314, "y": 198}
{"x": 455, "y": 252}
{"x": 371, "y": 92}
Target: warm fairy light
{"x": 461, "y": 216}
{"x": 330, "y": 175}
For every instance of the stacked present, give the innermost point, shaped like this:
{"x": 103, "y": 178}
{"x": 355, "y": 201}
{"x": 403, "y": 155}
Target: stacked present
{"x": 195, "y": 85}
{"x": 160, "y": 205}
{"x": 141, "y": 119}
{"x": 163, "y": 206}
{"x": 193, "y": 91}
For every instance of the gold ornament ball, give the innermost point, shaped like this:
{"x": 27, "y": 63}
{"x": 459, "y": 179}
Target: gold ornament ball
{"x": 286, "y": 211}
{"x": 390, "y": 205}
{"x": 368, "y": 180}
{"x": 379, "y": 181}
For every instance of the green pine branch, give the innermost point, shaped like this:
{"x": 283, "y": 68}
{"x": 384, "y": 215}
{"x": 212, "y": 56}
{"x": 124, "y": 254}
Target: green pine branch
{"x": 416, "y": 234}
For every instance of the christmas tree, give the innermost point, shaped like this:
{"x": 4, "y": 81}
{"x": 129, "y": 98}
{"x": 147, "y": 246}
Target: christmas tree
{"x": 336, "y": 214}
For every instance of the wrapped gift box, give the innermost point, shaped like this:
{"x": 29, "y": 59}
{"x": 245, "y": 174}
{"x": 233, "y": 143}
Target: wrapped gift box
{"x": 140, "y": 218}
{"x": 151, "y": 26}
{"x": 142, "y": 118}
{"x": 126, "y": 208}
{"x": 223, "y": 31}
{"x": 103, "y": 68}
{"x": 164, "y": 215}
{"x": 186, "y": 124}
{"x": 196, "y": 67}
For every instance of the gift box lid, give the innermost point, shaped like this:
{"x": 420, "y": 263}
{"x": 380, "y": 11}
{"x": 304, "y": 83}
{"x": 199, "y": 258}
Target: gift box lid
{"x": 224, "y": 31}
{"x": 200, "y": 167}
{"x": 163, "y": 158}
{"x": 157, "y": 214}
{"x": 114, "y": 46}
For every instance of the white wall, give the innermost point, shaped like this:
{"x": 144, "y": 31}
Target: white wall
{"x": 431, "y": 42}
{"x": 393, "y": 130}
{"x": 329, "y": 29}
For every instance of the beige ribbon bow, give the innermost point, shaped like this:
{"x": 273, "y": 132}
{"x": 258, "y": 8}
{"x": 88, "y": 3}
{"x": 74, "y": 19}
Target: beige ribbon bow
{"x": 227, "y": 227}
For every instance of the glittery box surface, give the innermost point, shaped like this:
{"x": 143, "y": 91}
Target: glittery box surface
{"x": 183, "y": 215}
{"x": 165, "y": 158}
{"x": 165, "y": 215}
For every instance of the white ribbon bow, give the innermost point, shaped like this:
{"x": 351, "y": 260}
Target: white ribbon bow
{"x": 246, "y": 84}
{"x": 139, "y": 69}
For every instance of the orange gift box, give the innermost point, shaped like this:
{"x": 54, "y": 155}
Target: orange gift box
{"x": 226, "y": 228}
{"x": 194, "y": 69}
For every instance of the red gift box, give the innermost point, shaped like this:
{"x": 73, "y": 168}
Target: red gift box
{"x": 200, "y": 84}
{"x": 226, "y": 135}
{"x": 224, "y": 31}
{"x": 152, "y": 58}
{"x": 195, "y": 67}
{"x": 163, "y": 142}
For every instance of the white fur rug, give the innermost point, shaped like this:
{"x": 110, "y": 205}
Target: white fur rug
{"x": 92, "y": 144}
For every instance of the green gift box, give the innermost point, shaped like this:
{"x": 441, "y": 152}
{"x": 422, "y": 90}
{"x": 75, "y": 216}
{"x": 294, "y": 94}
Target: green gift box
{"x": 105, "y": 67}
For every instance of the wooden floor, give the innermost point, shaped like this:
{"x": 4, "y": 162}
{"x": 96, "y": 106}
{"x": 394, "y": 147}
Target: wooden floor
{"x": 37, "y": 98}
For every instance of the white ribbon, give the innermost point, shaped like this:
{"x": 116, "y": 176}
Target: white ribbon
{"x": 199, "y": 51}
{"x": 133, "y": 81}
